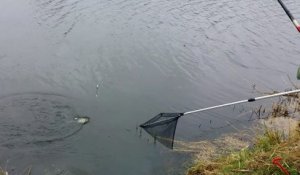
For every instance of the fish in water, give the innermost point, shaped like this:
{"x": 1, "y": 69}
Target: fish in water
{"x": 82, "y": 119}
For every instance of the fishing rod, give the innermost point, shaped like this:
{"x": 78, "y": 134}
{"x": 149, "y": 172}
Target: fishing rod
{"x": 163, "y": 126}
{"x": 295, "y": 22}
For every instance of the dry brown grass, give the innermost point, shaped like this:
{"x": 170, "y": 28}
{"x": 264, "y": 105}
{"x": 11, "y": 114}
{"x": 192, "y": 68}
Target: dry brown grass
{"x": 27, "y": 171}
{"x": 3, "y": 172}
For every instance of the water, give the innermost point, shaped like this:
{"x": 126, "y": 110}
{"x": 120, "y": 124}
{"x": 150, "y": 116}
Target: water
{"x": 147, "y": 57}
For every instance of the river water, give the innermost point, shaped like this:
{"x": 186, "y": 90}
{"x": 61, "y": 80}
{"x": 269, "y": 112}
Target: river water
{"x": 146, "y": 57}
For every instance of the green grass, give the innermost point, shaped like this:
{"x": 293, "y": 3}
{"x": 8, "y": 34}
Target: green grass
{"x": 298, "y": 74}
{"x": 256, "y": 160}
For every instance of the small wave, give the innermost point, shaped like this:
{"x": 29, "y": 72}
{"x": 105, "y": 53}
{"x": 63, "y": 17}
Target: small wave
{"x": 36, "y": 118}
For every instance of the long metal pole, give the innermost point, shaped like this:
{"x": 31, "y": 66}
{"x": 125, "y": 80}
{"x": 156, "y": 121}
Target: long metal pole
{"x": 243, "y": 101}
{"x": 295, "y": 22}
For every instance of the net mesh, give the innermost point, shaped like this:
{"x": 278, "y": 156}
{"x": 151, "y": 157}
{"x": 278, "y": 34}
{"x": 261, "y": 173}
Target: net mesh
{"x": 162, "y": 127}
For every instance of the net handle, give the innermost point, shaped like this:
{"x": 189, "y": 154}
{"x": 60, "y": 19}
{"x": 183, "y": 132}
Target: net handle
{"x": 243, "y": 101}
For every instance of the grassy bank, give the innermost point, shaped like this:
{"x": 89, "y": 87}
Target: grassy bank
{"x": 276, "y": 146}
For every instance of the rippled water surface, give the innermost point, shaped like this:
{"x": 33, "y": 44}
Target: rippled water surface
{"x": 146, "y": 57}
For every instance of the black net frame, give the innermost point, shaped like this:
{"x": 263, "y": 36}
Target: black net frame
{"x": 163, "y": 127}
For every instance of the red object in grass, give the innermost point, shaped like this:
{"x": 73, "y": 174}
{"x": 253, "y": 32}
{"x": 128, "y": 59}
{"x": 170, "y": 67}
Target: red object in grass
{"x": 276, "y": 161}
